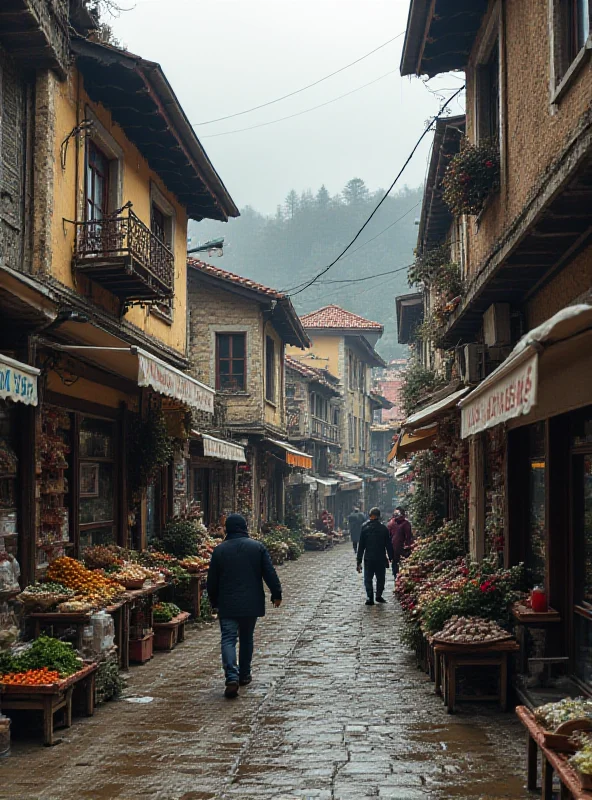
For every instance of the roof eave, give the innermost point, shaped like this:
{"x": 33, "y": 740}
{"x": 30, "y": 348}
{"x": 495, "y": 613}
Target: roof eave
{"x": 417, "y": 21}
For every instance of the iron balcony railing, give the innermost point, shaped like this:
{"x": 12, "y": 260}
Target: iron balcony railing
{"x": 324, "y": 430}
{"x": 124, "y": 239}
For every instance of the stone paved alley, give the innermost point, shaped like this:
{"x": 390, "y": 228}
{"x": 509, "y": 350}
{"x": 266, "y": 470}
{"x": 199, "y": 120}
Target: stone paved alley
{"x": 337, "y": 711}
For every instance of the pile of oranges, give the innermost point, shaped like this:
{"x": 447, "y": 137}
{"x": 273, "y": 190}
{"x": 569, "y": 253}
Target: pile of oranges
{"x": 32, "y": 677}
{"x": 96, "y": 587}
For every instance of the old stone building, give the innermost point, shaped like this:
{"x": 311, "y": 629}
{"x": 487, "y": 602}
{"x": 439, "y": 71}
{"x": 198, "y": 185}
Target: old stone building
{"x": 238, "y": 331}
{"x": 522, "y": 327}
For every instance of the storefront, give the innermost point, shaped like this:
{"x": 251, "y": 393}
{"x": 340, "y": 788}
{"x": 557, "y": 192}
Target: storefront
{"x": 538, "y": 406}
{"x": 213, "y": 475}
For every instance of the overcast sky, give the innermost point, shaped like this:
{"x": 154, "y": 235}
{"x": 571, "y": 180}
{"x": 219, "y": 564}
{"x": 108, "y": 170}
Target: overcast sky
{"x": 224, "y": 56}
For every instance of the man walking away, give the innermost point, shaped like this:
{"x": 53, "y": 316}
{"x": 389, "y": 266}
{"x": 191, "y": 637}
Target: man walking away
{"x": 401, "y": 537}
{"x": 355, "y": 521}
{"x": 375, "y": 548}
{"x": 237, "y": 570}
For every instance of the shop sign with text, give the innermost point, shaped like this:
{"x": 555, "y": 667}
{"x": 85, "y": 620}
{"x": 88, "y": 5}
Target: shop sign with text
{"x": 18, "y": 382}
{"x": 513, "y": 395}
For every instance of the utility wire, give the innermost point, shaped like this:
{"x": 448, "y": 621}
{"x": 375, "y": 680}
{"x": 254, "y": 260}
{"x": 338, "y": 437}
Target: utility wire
{"x": 361, "y": 247}
{"x": 299, "y": 113}
{"x": 367, "y": 277}
{"x": 304, "y": 88}
{"x": 386, "y": 194}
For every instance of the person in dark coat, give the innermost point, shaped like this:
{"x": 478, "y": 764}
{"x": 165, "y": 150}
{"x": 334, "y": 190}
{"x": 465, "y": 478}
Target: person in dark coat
{"x": 401, "y": 537}
{"x": 237, "y": 570}
{"x": 355, "y": 521}
{"x": 375, "y": 548}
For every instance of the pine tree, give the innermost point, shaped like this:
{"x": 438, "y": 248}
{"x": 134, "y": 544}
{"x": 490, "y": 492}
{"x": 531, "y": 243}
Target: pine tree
{"x": 323, "y": 198}
{"x": 355, "y": 192}
{"x": 291, "y": 204}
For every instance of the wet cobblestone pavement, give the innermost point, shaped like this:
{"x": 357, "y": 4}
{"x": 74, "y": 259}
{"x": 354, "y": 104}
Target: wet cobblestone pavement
{"x": 337, "y": 711}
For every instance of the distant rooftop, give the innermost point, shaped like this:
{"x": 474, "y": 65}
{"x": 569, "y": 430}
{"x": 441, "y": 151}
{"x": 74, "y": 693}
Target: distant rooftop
{"x": 336, "y": 318}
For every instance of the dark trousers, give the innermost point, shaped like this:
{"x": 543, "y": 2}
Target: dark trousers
{"x": 371, "y": 570}
{"x": 355, "y": 546}
{"x": 395, "y": 566}
{"x": 241, "y": 628}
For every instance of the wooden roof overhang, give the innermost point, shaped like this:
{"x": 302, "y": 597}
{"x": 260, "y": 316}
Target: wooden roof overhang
{"x": 440, "y": 35}
{"x": 552, "y": 229}
{"x": 436, "y": 218}
{"x": 409, "y": 315}
{"x": 142, "y": 102}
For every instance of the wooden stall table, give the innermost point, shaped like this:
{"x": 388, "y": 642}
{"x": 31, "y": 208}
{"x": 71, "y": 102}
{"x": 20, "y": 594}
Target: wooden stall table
{"x": 448, "y": 657}
{"x": 196, "y": 589}
{"x": 55, "y": 619}
{"x": 51, "y": 698}
{"x": 552, "y": 762}
{"x": 526, "y": 618}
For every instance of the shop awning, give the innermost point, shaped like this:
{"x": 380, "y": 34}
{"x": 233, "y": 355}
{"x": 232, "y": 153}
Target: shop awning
{"x": 170, "y": 381}
{"x": 532, "y": 373}
{"x": 221, "y": 448}
{"x": 403, "y": 470}
{"x": 327, "y": 481}
{"x": 294, "y": 457}
{"x": 142, "y": 367}
{"x": 18, "y": 382}
{"x": 349, "y": 482}
{"x": 431, "y": 413}
{"x": 412, "y": 441}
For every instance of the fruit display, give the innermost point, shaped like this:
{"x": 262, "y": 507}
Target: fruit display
{"x": 582, "y": 760}
{"x": 102, "y": 557}
{"x": 96, "y": 588}
{"x": 165, "y": 612}
{"x": 195, "y": 563}
{"x": 277, "y": 550}
{"x": 74, "y": 607}
{"x": 43, "y": 596}
{"x": 316, "y": 541}
{"x": 551, "y": 715}
{"x": 45, "y": 652}
{"x": 134, "y": 573}
{"x": 32, "y": 677}
{"x": 471, "y": 630}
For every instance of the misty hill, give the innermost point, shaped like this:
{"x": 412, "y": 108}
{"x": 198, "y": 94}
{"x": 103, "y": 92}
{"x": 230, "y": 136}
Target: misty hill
{"x": 308, "y": 231}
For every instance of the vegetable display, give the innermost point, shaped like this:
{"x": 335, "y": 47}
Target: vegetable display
{"x": 551, "y": 715}
{"x": 45, "y": 652}
{"x": 32, "y": 677}
{"x": 94, "y": 586}
{"x": 165, "y": 612}
{"x": 471, "y": 630}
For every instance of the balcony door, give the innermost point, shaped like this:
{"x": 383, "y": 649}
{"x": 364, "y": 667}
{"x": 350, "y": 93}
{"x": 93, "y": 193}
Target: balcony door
{"x": 97, "y": 184}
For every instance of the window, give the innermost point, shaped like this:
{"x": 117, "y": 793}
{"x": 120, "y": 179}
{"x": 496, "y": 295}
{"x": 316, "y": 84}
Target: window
{"x": 350, "y": 370}
{"x": 158, "y": 224}
{"x": 162, "y": 215}
{"x": 569, "y": 42}
{"x": 488, "y": 97}
{"x": 269, "y": 369}
{"x": 97, "y": 183}
{"x": 230, "y": 362}
{"x": 96, "y": 482}
{"x": 576, "y": 27}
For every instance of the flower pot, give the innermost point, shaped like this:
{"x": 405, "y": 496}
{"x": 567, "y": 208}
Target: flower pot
{"x": 140, "y": 650}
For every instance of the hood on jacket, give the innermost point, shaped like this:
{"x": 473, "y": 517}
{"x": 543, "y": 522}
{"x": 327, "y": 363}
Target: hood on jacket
{"x": 237, "y": 525}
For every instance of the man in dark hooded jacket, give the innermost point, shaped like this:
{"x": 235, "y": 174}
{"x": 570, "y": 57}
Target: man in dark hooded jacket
{"x": 375, "y": 548}
{"x": 237, "y": 570}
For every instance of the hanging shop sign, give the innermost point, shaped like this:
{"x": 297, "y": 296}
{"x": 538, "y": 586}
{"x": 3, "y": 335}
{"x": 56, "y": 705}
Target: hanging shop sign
{"x": 294, "y": 457}
{"x": 512, "y": 394}
{"x": 18, "y": 382}
{"x": 226, "y": 451}
{"x": 171, "y": 382}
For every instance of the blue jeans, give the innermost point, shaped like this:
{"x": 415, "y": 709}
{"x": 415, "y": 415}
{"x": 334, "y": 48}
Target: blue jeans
{"x": 370, "y": 570}
{"x": 241, "y": 628}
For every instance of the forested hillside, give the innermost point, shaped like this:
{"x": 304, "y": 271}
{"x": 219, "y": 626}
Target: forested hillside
{"x": 308, "y": 231}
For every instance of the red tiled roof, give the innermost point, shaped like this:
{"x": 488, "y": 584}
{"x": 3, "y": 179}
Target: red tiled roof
{"x": 222, "y": 274}
{"x": 338, "y": 318}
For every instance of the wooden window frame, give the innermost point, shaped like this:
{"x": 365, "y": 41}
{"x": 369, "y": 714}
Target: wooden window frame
{"x": 567, "y": 56}
{"x": 231, "y": 359}
{"x": 93, "y": 154}
{"x": 270, "y": 370}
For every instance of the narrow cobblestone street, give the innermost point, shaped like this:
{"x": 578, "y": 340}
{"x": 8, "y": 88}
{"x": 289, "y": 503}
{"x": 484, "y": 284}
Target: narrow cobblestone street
{"x": 337, "y": 711}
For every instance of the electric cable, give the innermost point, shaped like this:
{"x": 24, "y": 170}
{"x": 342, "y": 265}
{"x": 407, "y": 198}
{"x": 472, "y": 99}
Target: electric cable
{"x": 298, "y": 113}
{"x": 386, "y": 194}
{"x": 304, "y": 88}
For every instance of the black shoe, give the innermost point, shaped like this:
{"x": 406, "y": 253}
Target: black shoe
{"x": 245, "y": 681}
{"x": 380, "y": 600}
{"x": 231, "y": 690}
{"x": 369, "y": 602}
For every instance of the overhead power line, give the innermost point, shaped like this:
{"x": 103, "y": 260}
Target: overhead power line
{"x": 361, "y": 247}
{"x": 298, "y": 113}
{"x": 304, "y": 88}
{"x": 383, "y": 198}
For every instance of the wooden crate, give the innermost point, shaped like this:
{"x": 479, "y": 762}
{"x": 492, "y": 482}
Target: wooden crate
{"x": 168, "y": 634}
{"x": 140, "y": 650}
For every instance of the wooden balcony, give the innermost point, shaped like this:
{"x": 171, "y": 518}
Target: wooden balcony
{"x": 124, "y": 256}
{"x": 35, "y": 32}
{"x": 325, "y": 431}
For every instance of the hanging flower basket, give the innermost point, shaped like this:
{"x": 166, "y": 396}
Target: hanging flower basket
{"x": 472, "y": 175}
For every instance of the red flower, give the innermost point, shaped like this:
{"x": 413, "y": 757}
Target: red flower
{"x": 489, "y": 164}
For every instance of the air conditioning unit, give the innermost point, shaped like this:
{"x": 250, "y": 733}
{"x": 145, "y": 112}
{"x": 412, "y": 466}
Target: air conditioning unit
{"x": 494, "y": 356}
{"x": 469, "y": 362}
{"x": 496, "y": 325}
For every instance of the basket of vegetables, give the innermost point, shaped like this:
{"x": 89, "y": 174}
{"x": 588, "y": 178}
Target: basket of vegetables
{"x": 44, "y": 596}
{"x": 46, "y": 662}
{"x": 562, "y": 719}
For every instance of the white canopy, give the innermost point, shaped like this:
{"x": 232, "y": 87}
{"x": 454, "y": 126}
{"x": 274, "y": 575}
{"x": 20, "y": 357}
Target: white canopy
{"x": 18, "y": 382}
{"x": 222, "y": 449}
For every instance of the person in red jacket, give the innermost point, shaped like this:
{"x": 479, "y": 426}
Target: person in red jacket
{"x": 401, "y": 536}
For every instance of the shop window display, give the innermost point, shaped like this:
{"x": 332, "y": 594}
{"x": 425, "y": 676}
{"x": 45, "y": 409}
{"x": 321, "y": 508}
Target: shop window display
{"x": 53, "y": 464}
{"x": 8, "y": 479}
{"x": 96, "y": 481}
